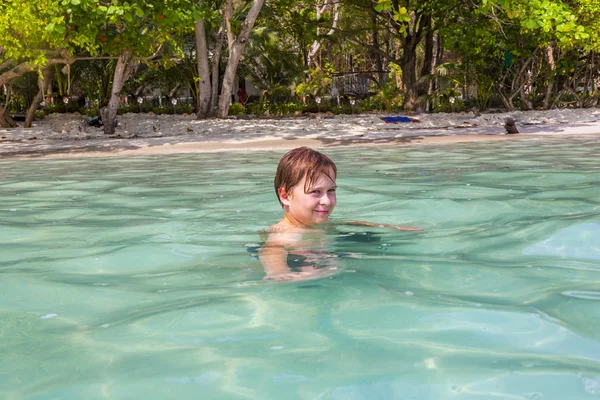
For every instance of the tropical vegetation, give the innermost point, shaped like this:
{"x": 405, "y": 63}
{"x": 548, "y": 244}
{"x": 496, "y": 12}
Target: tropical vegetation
{"x": 102, "y": 57}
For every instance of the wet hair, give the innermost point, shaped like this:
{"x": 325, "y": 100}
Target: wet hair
{"x": 301, "y": 162}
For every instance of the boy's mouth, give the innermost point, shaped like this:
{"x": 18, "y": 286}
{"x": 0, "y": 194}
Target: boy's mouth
{"x": 322, "y": 212}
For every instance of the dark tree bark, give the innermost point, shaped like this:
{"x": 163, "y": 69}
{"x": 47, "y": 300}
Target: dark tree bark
{"x": 215, "y": 74}
{"x": 411, "y": 38}
{"x": 6, "y": 120}
{"x": 123, "y": 70}
{"x": 43, "y": 84}
{"x": 552, "y": 64}
{"x": 235, "y": 53}
{"x": 409, "y": 77}
{"x": 376, "y": 54}
{"x": 204, "y": 84}
{"x": 427, "y": 67}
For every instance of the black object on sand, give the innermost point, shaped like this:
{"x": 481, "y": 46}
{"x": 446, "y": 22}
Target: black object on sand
{"x": 510, "y": 126}
{"x": 95, "y": 121}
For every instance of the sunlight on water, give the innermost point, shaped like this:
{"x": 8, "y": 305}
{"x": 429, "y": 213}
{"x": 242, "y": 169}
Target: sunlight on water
{"x": 138, "y": 279}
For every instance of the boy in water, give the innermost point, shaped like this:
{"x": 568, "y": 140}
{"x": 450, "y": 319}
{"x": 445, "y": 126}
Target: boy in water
{"x": 306, "y": 189}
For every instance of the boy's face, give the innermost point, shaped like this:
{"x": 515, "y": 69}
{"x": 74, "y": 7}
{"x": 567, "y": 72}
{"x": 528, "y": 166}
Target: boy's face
{"x": 313, "y": 207}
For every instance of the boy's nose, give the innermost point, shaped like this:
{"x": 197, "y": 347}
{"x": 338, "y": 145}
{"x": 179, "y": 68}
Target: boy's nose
{"x": 326, "y": 199}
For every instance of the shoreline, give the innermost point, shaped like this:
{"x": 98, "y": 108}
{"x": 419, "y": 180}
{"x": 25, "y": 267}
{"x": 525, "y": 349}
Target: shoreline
{"x": 144, "y": 135}
{"x": 129, "y": 149}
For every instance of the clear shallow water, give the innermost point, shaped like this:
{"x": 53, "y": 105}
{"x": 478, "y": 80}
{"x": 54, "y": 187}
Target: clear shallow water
{"x": 131, "y": 278}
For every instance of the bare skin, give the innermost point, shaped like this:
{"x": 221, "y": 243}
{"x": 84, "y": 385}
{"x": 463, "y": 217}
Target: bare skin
{"x": 302, "y": 232}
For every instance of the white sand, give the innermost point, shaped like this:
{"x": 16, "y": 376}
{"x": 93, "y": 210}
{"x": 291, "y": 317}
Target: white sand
{"x": 67, "y": 136}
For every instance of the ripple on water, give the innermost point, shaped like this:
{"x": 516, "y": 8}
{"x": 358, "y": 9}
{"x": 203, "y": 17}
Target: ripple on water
{"x": 132, "y": 276}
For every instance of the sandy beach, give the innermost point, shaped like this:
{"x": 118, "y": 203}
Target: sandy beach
{"x": 70, "y": 136}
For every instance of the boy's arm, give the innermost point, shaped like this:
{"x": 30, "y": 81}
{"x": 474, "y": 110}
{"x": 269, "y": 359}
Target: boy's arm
{"x": 374, "y": 224}
{"x": 273, "y": 256}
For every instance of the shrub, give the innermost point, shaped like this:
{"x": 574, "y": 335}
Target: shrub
{"x": 237, "y": 109}
{"x": 258, "y": 108}
{"x": 318, "y": 82}
{"x": 285, "y": 108}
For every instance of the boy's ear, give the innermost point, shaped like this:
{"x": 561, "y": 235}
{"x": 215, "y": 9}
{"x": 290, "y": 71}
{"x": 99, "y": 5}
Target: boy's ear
{"x": 283, "y": 196}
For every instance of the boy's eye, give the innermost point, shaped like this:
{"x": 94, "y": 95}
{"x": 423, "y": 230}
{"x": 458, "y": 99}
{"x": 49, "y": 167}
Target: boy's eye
{"x": 331, "y": 190}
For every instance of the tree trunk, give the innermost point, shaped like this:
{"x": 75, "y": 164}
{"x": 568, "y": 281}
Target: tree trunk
{"x": 235, "y": 52}
{"x": 377, "y": 54}
{"x": 552, "y": 64}
{"x": 409, "y": 78}
{"x": 526, "y": 103}
{"x": 6, "y": 120}
{"x": 505, "y": 100}
{"x": 427, "y": 68}
{"x": 315, "y": 48}
{"x": 426, "y": 85}
{"x": 43, "y": 84}
{"x": 122, "y": 72}
{"x": 408, "y": 61}
{"x": 204, "y": 86}
{"x": 216, "y": 62}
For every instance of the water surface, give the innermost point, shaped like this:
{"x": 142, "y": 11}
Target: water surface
{"x": 136, "y": 278}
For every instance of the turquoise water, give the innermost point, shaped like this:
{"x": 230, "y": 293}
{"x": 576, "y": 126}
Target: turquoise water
{"x": 135, "y": 278}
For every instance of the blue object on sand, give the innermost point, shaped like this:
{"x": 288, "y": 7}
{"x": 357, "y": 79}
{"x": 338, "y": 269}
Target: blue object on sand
{"x": 394, "y": 120}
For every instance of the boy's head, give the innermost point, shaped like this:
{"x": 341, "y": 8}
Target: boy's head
{"x": 301, "y": 162}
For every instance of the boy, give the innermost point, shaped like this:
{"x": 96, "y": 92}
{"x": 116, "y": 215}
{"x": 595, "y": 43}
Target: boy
{"x": 305, "y": 187}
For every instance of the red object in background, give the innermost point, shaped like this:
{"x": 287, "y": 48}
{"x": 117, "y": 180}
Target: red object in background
{"x": 242, "y": 96}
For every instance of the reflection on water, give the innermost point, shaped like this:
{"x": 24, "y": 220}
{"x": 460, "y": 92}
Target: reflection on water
{"x": 137, "y": 278}
{"x": 577, "y": 241}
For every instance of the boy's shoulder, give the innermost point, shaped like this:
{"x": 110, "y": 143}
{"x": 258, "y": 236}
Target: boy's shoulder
{"x": 280, "y": 227}
{"x": 271, "y": 231}
{"x": 281, "y": 233}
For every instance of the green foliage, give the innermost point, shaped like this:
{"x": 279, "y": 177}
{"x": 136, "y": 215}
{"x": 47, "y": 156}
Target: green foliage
{"x": 59, "y": 107}
{"x": 149, "y": 107}
{"x": 400, "y": 13}
{"x": 258, "y": 108}
{"x": 318, "y": 82}
{"x": 548, "y": 19}
{"x": 448, "y": 100}
{"x": 289, "y": 108}
{"x": 139, "y": 26}
{"x": 491, "y": 44}
{"x": 23, "y": 33}
{"x": 237, "y": 109}
{"x": 484, "y": 86}
{"x": 389, "y": 98}
{"x": 588, "y": 15}
{"x": 271, "y": 64}
{"x": 17, "y": 103}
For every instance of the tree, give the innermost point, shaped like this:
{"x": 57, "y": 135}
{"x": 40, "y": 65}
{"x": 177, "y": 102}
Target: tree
{"x": 332, "y": 7}
{"x": 271, "y": 64}
{"x": 207, "y": 87}
{"x": 412, "y": 22}
{"x": 25, "y": 43}
{"x": 141, "y": 31}
{"x": 537, "y": 36}
{"x": 237, "y": 39}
